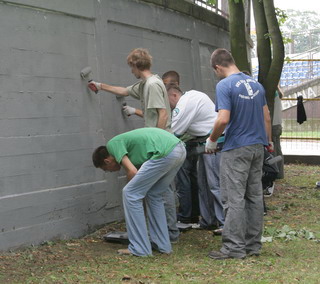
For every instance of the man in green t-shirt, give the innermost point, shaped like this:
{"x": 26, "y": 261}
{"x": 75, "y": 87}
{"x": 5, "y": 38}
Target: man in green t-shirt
{"x": 151, "y": 158}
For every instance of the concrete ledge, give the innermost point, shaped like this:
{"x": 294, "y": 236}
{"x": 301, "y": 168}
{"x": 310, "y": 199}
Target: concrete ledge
{"x": 194, "y": 11}
{"x": 83, "y": 8}
{"x": 297, "y": 159}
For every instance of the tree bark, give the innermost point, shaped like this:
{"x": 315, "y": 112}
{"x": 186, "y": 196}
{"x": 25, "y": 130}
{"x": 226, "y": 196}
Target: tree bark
{"x": 238, "y": 35}
{"x": 263, "y": 40}
{"x": 275, "y": 69}
{"x": 270, "y": 48}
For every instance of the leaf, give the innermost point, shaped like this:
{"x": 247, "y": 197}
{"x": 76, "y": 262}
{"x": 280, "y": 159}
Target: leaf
{"x": 286, "y": 229}
{"x": 309, "y": 235}
{"x": 281, "y": 235}
{"x": 270, "y": 231}
{"x": 266, "y": 239}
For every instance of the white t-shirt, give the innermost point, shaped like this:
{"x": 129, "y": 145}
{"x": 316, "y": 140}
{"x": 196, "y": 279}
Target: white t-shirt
{"x": 194, "y": 114}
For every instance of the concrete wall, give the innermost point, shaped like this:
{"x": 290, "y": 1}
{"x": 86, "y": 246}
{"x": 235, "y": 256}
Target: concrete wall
{"x": 50, "y": 123}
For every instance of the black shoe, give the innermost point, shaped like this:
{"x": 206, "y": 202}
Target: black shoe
{"x": 191, "y": 220}
{"x": 253, "y": 253}
{"x": 218, "y": 255}
{"x": 200, "y": 226}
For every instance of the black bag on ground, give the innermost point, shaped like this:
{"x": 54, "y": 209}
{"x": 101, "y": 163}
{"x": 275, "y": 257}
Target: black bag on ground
{"x": 270, "y": 169}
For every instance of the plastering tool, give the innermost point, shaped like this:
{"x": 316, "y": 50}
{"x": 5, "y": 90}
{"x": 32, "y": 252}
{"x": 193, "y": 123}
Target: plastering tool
{"x": 85, "y": 73}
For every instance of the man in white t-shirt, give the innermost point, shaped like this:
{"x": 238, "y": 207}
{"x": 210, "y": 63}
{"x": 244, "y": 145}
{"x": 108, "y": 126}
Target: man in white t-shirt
{"x": 198, "y": 191}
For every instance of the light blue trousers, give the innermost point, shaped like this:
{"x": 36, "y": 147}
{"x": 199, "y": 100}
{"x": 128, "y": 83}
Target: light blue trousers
{"x": 150, "y": 183}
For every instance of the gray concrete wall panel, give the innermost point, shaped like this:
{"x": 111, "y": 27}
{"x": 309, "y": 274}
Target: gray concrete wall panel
{"x": 50, "y": 122}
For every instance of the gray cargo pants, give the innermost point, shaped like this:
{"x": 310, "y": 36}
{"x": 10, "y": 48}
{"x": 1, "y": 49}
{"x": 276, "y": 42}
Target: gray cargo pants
{"x": 241, "y": 194}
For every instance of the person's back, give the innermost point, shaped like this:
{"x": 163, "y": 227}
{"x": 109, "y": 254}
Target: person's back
{"x": 244, "y": 98}
{"x": 142, "y": 144}
{"x": 194, "y": 114}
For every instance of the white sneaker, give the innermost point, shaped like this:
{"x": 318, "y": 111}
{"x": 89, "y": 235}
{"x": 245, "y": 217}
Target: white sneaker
{"x": 268, "y": 191}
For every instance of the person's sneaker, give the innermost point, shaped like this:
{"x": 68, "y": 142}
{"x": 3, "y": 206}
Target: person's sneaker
{"x": 174, "y": 241}
{"x": 201, "y": 226}
{"x": 124, "y": 252}
{"x": 217, "y": 232}
{"x": 218, "y": 255}
{"x": 268, "y": 191}
{"x": 196, "y": 226}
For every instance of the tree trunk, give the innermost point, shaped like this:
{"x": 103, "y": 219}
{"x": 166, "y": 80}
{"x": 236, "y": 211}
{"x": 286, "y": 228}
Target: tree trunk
{"x": 263, "y": 40}
{"x": 275, "y": 70}
{"x": 238, "y": 35}
{"x": 270, "y": 48}
{"x": 270, "y": 51}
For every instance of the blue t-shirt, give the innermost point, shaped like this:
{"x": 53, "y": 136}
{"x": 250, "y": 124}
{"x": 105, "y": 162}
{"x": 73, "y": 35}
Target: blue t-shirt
{"x": 244, "y": 97}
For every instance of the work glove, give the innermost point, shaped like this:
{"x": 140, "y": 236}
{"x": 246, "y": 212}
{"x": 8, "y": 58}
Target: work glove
{"x": 270, "y": 147}
{"x": 94, "y": 86}
{"x": 128, "y": 110}
{"x": 210, "y": 146}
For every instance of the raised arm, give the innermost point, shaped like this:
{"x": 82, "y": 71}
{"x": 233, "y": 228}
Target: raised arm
{"x": 96, "y": 86}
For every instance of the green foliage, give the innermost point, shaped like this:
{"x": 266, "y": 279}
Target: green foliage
{"x": 281, "y": 16}
{"x": 287, "y": 233}
{"x": 212, "y": 2}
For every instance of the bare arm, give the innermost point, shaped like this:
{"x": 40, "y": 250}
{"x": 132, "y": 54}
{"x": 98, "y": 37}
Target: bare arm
{"x": 267, "y": 122}
{"x": 120, "y": 91}
{"x": 220, "y": 124}
{"x": 163, "y": 118}
{"x": 139, "y": 112}
{"x": 130, "y": 169}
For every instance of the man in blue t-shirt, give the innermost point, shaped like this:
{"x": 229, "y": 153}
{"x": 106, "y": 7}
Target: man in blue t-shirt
{"x": 244, "y": 116}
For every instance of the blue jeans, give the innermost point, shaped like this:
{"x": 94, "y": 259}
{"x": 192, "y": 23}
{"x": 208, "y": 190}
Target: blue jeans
{"x": 241, "y": 194}
{"x": 169, "y": 199}
{"x": 187, "y": 190}
{"x": 150, "y": 183}
{"x": 211, "y": 208}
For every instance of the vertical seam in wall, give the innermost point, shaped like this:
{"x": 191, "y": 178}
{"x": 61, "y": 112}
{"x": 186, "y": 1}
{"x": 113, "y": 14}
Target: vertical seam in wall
{"x": 98, "y": 65}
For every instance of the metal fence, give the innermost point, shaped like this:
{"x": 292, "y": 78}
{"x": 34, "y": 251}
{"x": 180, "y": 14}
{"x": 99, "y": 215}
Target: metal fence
{"x": 219, "y": 8}
{"x": 301, "y": 77}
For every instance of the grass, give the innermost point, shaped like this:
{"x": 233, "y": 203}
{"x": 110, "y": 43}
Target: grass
{"x": 295, "y": 204}
{"x": 301, "y": 134}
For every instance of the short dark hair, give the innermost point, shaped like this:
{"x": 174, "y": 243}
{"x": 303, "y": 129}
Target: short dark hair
{"x": 99, "y": 155}
{"x": 221, "y": 57}
{"x": 140, "y": 58}
{"x": 172, "y": 86}
{"x": 175, "y": 77}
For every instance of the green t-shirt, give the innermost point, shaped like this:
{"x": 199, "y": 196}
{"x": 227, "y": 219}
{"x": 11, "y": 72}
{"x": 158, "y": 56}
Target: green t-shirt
{"x": 142, "y": 144}
{"x": 152, "y": 95}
